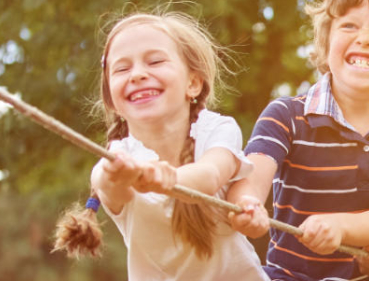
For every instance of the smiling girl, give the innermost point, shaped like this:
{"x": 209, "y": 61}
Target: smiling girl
{"x": 158, "y": 74}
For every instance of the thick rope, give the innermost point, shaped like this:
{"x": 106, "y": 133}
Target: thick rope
{"x": 67, "y": 133}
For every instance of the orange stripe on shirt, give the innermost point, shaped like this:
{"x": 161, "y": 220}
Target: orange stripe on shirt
{"x": 275, "y": 121}
{"x": 302, "y": 118}
{"x": 307, "y": 168}
{"x": 310, "y": 258}
{"x": 299, "y": 98}
{"x": 287, "y": 272}
{"x": 293, "y": 209}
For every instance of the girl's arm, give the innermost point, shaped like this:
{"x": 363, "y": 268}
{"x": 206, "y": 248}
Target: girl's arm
{"x": 251, "y": 194}
{"x": 213, "y": 170}
{"x": 324, "y": 233}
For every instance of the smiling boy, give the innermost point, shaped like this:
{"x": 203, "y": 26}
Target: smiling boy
{"x": 314, "y": 150}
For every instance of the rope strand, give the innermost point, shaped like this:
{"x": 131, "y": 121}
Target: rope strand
{"x": 67, "y": 133}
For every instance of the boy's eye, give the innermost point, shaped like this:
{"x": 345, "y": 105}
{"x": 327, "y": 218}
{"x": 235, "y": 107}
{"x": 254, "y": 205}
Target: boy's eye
{"x": 348, "y": 25}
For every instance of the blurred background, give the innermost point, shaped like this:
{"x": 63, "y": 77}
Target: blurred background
{"x": 50, "y": 57}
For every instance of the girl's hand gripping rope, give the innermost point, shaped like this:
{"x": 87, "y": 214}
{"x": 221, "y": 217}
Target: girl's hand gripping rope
{"x": 115, "y": 181}
{"x": 157, "y": 176}
{"x": 253, "y": 221}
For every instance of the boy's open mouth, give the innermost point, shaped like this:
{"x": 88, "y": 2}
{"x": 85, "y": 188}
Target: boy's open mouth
{"x": 362, "y": 62}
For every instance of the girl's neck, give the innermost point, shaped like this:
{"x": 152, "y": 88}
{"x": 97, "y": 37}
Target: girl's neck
{"x": 167, "y": 139}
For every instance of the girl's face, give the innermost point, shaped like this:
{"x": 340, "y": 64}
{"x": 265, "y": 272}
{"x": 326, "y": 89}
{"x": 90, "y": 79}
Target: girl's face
{"x": 348, "y": 57}
{"x": 149, "y": 80}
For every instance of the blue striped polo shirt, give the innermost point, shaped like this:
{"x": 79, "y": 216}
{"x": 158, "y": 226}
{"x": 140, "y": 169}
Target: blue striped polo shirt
{"x": 323, "y": 167}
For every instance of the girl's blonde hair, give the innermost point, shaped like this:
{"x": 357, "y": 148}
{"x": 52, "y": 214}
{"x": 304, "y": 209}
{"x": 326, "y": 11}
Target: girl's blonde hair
{"x": 193, "y": 223}
{"x": 322, "y": 14}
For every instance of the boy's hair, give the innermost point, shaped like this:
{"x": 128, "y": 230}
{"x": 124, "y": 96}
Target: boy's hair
{"x": 322, "y": 14}
{"x": 193, "y": 223}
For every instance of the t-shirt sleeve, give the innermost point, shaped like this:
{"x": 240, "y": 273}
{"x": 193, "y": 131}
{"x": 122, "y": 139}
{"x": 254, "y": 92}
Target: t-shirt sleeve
{"x": 221, "y": 131}
{"x": 272, "y": 134}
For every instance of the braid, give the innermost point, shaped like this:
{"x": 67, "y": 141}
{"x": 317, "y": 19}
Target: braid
{"x": 78, "y": 232}
{"x": 187, "y": 154}
{"x": 193, "y": 223}
{"x": 117, "y": 129}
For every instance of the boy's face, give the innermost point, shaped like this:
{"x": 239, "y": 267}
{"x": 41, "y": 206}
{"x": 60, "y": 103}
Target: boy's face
{"x": 348, "y": 56}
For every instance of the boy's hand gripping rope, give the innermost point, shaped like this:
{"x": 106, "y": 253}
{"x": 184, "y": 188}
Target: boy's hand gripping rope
{"x": 67, "y": 133}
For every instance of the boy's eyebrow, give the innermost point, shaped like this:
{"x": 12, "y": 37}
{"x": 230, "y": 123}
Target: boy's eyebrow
{"x": 346, "y": 17}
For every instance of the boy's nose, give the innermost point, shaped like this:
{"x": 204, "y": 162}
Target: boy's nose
{"x": 363, "y": 38}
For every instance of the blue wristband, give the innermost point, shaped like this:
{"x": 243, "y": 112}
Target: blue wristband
{"x": 93, "y": 204}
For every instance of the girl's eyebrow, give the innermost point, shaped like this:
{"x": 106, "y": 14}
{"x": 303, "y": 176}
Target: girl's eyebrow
{"x": 146, "y": 54}
{"x": 155, "y": 51}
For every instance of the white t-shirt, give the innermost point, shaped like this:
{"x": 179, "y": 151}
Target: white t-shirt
{"x": 145, "y": 222}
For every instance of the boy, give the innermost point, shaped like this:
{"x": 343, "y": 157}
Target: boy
{"x": 316, "y": 147}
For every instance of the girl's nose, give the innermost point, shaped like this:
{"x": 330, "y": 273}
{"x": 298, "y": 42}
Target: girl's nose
{"x": 138, "y": 74}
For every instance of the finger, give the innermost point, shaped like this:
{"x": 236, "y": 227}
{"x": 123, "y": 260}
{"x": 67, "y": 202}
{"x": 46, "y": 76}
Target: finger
{"x": 249, "y": 209}
{"x": 163, "y": 176}
{"x": 241, "y": 221}
{"x": 120, "y": 162}
{"x": 144, "y": 180}
{"x": 261, "y": 218}
{"x": 325, "y": 248}
{"x": 314, "y": 237}
{"x": 171, "y": 177}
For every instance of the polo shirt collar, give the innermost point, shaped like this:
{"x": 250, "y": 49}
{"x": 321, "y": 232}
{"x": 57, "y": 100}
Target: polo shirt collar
{"x": 320, "y": 102}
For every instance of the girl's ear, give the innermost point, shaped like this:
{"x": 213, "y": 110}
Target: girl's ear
{"x": 195, "y": 86}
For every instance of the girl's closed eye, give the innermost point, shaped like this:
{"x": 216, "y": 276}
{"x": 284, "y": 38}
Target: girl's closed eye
{"x": 121, "y": 69}
{"x": 156, "y": 61}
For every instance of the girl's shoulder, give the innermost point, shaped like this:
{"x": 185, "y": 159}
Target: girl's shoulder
{"x": 135, "y": 148}
{"x": 209, "y": 121}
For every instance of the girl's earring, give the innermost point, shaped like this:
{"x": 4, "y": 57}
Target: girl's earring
{"x": 193, "y": 100}
{"x": 122, "y": 119}
{"x": 103, "y": 61}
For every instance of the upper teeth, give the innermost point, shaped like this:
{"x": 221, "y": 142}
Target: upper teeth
{"x": 359, "y": 62}
{"x": 140, "y": 95}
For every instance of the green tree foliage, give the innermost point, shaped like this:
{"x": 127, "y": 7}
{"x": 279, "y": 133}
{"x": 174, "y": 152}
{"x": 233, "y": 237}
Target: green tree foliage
{"x": 50, "y": 55}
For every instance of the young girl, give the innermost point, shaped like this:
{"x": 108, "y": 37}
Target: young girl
{"x": 158, "y": 74}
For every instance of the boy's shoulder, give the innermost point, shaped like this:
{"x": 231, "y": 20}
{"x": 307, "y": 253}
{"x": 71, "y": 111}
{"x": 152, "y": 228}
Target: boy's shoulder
{"x": 289, "y": 105}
